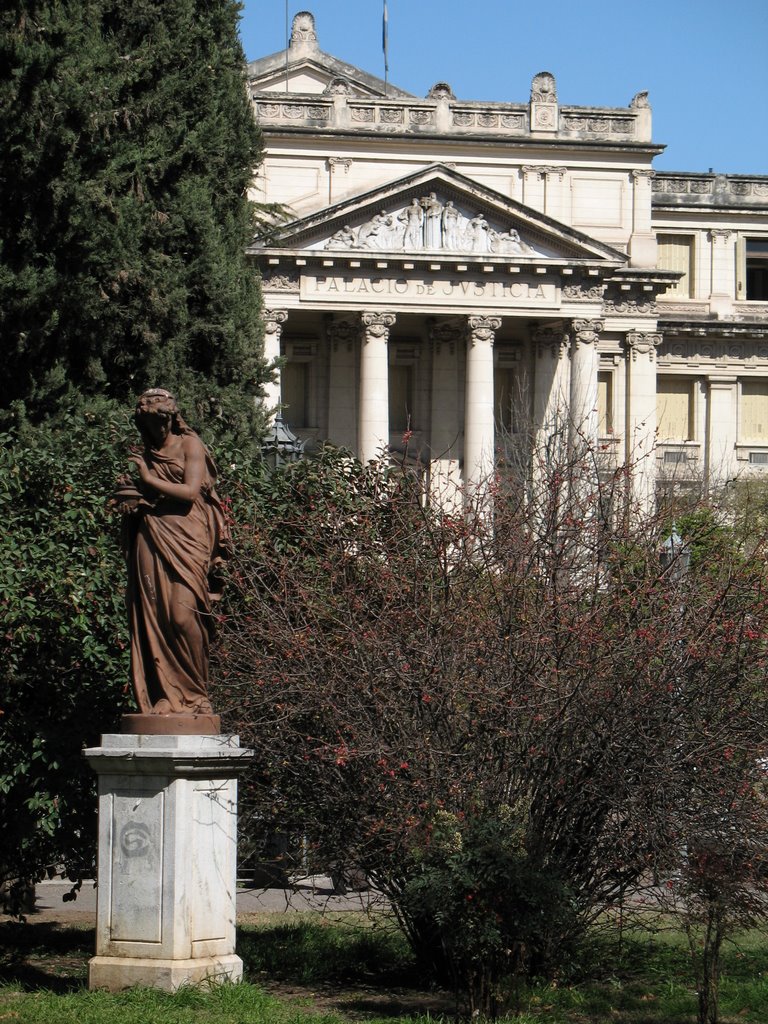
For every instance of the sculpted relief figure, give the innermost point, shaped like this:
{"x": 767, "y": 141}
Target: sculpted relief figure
{"x": 413, "y": 218}
{"x": 450, "y": 225}
{"x": 376, "y": 233}
{"x": 477, "y": 237}
{"x": 430, "y": 223}
{"x": 433, "y": 211}
{"x": 175, "y": 538}
{"x": 343, "y": 239}
{"x": 509, "y": 243}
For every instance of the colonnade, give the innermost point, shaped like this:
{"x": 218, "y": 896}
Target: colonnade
{"x": 565, "y": 384}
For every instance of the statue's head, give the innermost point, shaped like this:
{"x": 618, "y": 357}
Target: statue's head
{"x": 156, "y": 401}
{"x": 157, "y": 414}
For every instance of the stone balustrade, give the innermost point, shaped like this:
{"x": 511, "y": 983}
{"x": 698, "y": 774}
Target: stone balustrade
{"x": 442, "y": 116}
{"x": 682, "y": 189}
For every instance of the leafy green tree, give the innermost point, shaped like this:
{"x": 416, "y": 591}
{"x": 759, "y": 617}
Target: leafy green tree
{"x": 128, "y": 146}
{"x": 63, "y": 642}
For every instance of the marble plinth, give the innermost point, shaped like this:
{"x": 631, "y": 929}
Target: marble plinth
{"x": 167, "y": 860}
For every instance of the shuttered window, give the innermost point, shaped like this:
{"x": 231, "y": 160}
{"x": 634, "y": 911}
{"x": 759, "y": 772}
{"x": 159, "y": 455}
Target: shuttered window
{"x": 674, "y": 408}
{"x": 676, "y": 253}
{"x": 754, "y": 411}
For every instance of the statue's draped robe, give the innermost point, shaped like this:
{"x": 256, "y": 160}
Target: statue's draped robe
{"x": 175, "y": 546}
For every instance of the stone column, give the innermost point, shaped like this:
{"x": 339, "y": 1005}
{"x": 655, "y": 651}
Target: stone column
{"x": 373, "y": 411}
{"x": 722, "y": 421}
{"x": 165, "y": 913}
{"x": 444, "y": 471}
{"x": 342, "y": 391}
{"x": 640, "y": 433}
{"x": 584, "y": 363}
{"x": 722, "y": 272}
{"x": 551, "y": 404}
{"x": 551, "y": 386}
{"x": 642, "y": 247}
{"x": 478, "y": 404}
{"x": 273, "y": 329}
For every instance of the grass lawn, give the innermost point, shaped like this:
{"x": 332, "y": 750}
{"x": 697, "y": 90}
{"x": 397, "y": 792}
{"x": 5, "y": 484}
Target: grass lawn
{"x": 343, "y": 968}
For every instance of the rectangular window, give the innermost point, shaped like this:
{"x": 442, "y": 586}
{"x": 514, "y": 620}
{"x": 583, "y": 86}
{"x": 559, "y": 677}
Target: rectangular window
{"x": 674, "y": 408}
{"x": 400, "y": 397}
{"x": 605, "y": 403}
{"x": 756, "y": 250}
{"x": 754, "y": 411}
{"x": 676, "y": 253}
{"x": 294, "y": 394}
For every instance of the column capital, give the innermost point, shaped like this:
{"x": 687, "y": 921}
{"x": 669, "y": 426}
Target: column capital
{"x": 445, "y": 332}
{"x": 719, "y": 234}
{"x": 554, "y": 172}
{"x": 274, "y": 320}
{"x": 552, "y": 337}
{"x": 341, "y": 332}
{"x": 533, "y": 171}
{"x": 643, "y": 174}
{"x": 483, "y": 328}
{"x": 377, "y": 325}
{"x": 642, "y": 344}
{"x": 587, "y": 332}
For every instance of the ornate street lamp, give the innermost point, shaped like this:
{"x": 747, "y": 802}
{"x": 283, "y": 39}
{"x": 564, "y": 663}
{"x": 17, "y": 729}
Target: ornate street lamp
{"x": 280, "y": 445}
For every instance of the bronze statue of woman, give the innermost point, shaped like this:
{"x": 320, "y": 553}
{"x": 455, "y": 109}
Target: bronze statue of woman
{"x": 175, "y": 539}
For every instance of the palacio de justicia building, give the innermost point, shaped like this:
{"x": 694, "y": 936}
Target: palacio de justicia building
{"x": 451, "y": 269}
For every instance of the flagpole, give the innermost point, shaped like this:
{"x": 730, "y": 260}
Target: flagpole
{"x": 385, "y": 46}
{"x": 286, "y": 46}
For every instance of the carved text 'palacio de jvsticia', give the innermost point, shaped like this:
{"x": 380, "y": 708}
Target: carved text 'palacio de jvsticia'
{"x": 453, "y": 267}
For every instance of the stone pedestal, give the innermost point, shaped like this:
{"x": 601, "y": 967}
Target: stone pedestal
{"x": 167, "y": 860}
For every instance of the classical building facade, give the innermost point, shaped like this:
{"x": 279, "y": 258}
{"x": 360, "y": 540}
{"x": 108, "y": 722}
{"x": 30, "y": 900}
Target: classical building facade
{"x": 453, "y": 269}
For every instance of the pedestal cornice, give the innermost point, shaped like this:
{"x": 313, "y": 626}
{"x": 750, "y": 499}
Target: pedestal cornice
{"x": 185, "y": 756}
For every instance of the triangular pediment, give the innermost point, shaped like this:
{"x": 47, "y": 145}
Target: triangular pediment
{"x": 440, "y": 210}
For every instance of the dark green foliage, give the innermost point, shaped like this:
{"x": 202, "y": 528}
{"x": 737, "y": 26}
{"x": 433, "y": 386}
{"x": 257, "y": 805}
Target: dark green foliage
{"x": 480, "y": 910}
{"x": 127, "y": 149}
{"x": 63, "y": 645}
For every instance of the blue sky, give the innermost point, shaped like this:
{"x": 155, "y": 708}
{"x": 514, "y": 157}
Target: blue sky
{"x": 704, "y": 62}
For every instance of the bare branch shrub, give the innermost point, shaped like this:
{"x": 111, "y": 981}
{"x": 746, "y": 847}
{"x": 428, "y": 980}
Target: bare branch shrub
{"x": 506, "y": 717}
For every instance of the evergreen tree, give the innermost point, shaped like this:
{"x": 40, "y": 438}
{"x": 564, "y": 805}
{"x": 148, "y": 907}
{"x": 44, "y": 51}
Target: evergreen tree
{"x": 128, "y": 146}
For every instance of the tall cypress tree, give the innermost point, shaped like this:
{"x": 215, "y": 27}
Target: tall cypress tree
{"x": 127, "y": 145}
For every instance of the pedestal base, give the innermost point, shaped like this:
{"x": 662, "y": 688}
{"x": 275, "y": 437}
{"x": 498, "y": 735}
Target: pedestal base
{"x": 165, "y": 914}
{"x": 115, "y": 973}
{"x": 170, "y": 725}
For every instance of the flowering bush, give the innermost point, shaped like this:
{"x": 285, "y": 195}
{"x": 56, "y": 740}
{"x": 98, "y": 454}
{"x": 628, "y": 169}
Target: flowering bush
{"x": 400, "y": 667}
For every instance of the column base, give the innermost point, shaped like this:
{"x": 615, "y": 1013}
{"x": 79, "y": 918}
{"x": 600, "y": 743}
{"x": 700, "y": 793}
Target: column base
{"x": 115, "y": 973}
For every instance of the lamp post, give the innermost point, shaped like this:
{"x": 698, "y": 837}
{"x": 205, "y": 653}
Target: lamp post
{"x": 280, "y": 445}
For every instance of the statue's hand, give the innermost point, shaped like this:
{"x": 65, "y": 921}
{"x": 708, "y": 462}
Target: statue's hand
{"x": 138, "y": 460}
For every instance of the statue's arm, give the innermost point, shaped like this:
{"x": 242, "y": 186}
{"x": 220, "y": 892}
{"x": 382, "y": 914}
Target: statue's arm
{"x": 194, "y": 472}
